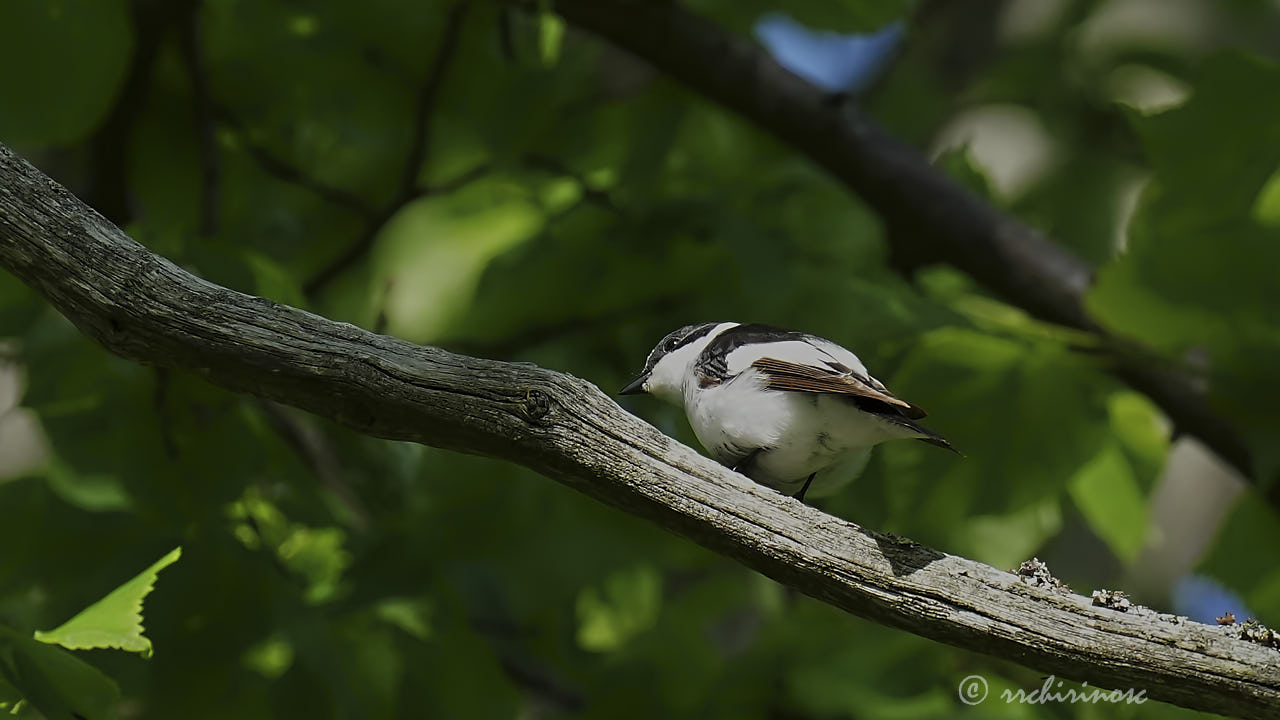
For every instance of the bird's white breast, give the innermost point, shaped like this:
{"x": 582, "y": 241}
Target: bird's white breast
{"x": 736, "y": 417}
{"x": 799, "y": 433}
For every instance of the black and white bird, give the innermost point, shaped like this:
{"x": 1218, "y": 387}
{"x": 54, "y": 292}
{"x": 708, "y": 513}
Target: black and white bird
{"x": 787, "y": 409}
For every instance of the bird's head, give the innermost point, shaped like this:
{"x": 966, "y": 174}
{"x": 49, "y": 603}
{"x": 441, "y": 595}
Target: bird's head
{"x": 669, "y": 364}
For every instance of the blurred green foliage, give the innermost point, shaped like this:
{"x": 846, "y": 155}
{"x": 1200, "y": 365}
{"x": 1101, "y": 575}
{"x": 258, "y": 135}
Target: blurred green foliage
{"x": 574, "y": 208}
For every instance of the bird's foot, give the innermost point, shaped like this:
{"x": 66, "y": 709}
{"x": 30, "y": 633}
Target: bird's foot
{"x": 800, "y": 495}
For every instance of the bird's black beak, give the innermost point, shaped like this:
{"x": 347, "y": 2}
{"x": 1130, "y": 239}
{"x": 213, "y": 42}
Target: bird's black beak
{"x": 635, "y": 387}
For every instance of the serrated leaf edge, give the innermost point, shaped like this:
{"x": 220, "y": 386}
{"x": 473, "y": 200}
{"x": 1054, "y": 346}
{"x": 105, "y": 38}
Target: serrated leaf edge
{"x": 137, "y": 630}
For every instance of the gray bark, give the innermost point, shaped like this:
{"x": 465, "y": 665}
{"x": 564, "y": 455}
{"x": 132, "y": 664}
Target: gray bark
{"x": 144, "y": 307}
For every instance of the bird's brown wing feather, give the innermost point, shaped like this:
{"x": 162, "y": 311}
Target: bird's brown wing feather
{"x": 795, "y": 377}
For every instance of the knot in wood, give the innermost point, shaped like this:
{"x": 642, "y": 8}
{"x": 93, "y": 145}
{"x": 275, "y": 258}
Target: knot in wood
{"x": 535, "y": 406}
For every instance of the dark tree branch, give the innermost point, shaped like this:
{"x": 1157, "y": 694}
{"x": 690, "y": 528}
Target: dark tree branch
{"x": 191, "y": 48}
{"x": 948, "y": 222}
{"x": 145, "y": 308}
{"x": 417, "y": 155}
{"x": 928, "y": 216}
{"x": 108, "y": 187}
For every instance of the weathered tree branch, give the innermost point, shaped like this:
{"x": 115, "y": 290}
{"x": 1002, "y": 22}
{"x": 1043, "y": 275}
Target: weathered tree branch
{"x": 144, "y": 307}
{"x": 928, "y": 216}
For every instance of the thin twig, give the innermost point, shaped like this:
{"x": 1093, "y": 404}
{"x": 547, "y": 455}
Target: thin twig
{"x": 425, "y": 105}
{"x": 416, "y": 156}
{"x": 290, "y": 173}
{"x": 316, "y": 454}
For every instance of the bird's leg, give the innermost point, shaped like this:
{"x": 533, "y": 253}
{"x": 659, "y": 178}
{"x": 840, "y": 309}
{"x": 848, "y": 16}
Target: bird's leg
{"x": 800, "y": 495}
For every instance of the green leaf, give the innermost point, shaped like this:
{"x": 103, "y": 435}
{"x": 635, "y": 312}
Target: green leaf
{"x": 1143, "y": 433}
{"x": 1080, "y": 201}
{"x": 988, "y": 314}
{"x": 626, "y": 605}
{"x": 1026, "y": 415}
{"x": 90, "y": 491}
{"x": 53, "y": 681}
{"x": 1199, "y": 271}
{"x": 430, "y": 256}
{"x": 1111, "y": 501}
{"x": 59, "y": 75}
{"x": 1195, "y": 252}
{"x": 959, "y": 163}
{"x": 412, "y": 615}
{"x": 270, "y": 658}
{"x": 550, "y": 38}
{"x": 317, "y": 555}
{"x": 1008, "y": 539}
{"x": 1266, "y": 210}
{"x": 115, "y": 621}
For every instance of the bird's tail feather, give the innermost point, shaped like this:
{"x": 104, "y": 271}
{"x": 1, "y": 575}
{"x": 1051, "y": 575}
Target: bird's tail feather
{"x": 928, "y": 436}
{"x": 941, "y": 442}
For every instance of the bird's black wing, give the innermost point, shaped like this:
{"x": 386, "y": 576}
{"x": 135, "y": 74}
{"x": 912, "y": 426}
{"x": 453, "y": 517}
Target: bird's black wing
{"x": 712, "y": 365}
